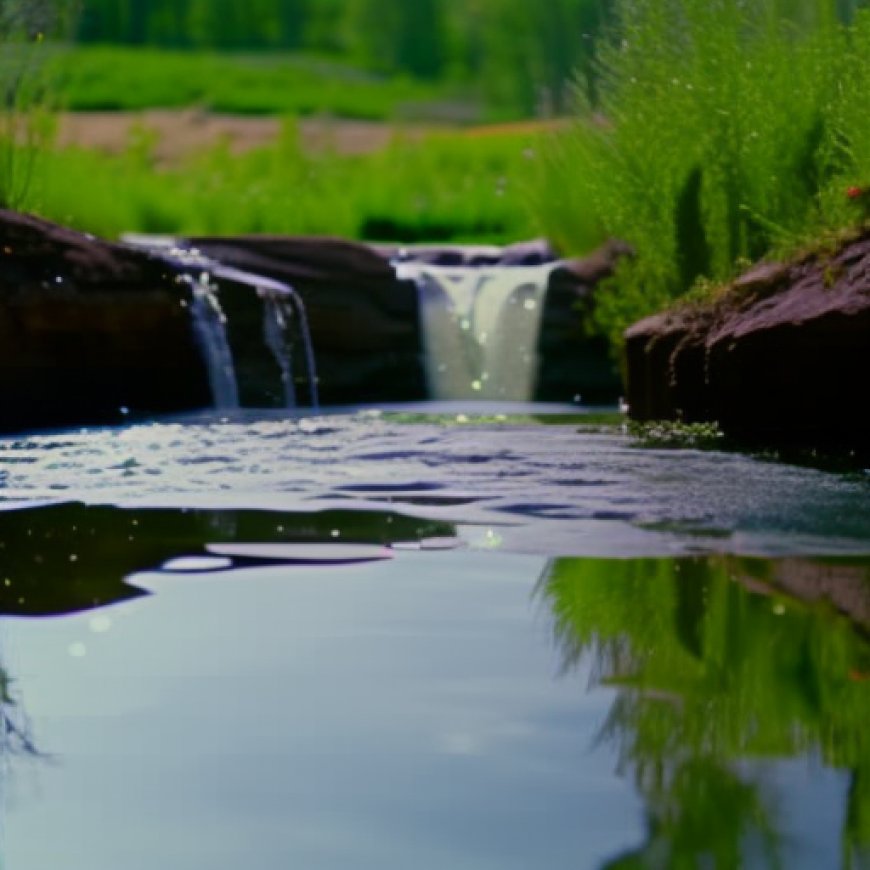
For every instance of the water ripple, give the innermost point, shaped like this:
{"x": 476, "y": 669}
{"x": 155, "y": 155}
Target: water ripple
{"x": 564, "y": 492}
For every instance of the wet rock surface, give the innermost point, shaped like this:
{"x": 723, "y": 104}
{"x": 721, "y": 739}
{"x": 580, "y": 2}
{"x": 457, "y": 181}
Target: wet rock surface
{"x": 778, "y": 359}
{"x": 364, "y": 321}
{"x": 90, "y": 332}
{"x": 94, "y": 332}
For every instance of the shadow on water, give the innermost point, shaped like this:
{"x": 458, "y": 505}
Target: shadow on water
{"x": 721, "y": 663}
{"x": 70, "y": 557}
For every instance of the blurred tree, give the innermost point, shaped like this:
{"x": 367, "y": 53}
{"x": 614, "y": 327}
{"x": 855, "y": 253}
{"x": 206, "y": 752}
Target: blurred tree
{"x": 523, "y": 55}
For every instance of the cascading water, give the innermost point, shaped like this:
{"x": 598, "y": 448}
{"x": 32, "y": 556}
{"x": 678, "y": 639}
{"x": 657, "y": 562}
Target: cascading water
{"x": 480, "y": 328}
{"x": 275, "y": 330}
{"x": 282, "y": 305}
{"x": 209, "y": 326}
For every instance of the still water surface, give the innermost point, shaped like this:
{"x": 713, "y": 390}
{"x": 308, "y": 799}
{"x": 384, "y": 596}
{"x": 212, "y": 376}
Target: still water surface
{"x": 351, "y": 641}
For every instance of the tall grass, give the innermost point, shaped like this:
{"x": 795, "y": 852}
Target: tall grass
{"x": 726, "y": 131}
{"x": 25, "y": 91}
{"x": 447, "y": 186}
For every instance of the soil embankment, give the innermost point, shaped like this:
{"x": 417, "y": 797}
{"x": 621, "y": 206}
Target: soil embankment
{"x": 779, "y": 358}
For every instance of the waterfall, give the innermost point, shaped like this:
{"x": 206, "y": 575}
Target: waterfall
{"x": 275, "y": 329}
{"x": 209, "y": 326}
{"x": 281, "y": 303}
{"x": 282, "y": 307}
{"x": 480, "y": 328}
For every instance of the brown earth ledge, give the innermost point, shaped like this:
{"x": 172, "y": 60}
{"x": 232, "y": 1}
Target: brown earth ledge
{"x": 93, "y": 332}
{"x": 90, "y": 332}
{"x": 779, "y": 358}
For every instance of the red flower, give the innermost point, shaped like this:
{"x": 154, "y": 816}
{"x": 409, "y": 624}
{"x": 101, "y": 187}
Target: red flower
{"x": 855, "y": 192}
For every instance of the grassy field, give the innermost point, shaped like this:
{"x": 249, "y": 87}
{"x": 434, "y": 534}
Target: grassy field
{"x": 115, "y": 78}
{"x": 446, "y": 186}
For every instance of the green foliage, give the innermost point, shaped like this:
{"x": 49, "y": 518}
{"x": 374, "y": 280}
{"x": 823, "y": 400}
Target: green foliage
{"x": 517, "y": 55}
{"x": 113, "y": 78}
{"x": 723, "y": 132}
{"x": 456, "y": 186}
{"x": 25, "y": 91}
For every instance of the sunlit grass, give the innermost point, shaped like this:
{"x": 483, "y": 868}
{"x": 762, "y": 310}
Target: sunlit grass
{"x": 444, "y": 187}
{"x": 726, "y": 132}
{"x": 124, "y": 78}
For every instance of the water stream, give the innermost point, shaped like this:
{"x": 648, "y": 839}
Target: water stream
{"x": 209, "y": 326}
{"x": 472, "y": 635}
{"x": 384, "y": 640}
{"x": 480, "y": 328}
{"x": 282, "y": 309}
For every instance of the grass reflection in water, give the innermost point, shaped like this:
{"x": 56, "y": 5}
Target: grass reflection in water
{"x": 719, "y": 662}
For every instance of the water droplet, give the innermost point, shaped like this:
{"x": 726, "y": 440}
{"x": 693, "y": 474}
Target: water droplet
{"x": 78, "y": 650}
{"x": 530, "y": 305}
{"x": 477, "y": 386}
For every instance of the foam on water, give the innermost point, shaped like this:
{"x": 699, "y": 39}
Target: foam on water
{"x": 480, "y": 328}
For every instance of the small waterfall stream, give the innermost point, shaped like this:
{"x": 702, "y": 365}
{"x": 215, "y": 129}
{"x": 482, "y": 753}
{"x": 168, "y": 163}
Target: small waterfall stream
{"x": 480, "y": 327}
{"x": 209, "y": 326}
{"x": 281, "y": 304}
{"x": 282, "y": 308}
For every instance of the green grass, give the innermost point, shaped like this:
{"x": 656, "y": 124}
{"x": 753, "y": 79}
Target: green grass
{"x": 120, "y": 78}
{"x": 726, "y": 133}
{"x": 445, "y": 187}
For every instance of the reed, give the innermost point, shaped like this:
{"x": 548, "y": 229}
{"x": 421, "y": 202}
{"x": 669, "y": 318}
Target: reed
{"x": 726, "y": 132}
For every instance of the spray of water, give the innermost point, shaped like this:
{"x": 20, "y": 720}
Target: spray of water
{"x": 209, "y": 327}
{"x": 480, "y": 328}
{"x": 282, "y": 307}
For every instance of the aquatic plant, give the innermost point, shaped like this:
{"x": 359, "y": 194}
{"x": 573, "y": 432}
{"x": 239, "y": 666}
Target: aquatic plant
{"x": 676, "y": 435}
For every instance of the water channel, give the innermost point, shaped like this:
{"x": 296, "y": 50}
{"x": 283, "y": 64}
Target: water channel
{"x": 422, "y": 637}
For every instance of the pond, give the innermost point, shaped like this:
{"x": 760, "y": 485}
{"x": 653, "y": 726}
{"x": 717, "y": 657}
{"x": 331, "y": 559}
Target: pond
{"x": 402, "y": 640}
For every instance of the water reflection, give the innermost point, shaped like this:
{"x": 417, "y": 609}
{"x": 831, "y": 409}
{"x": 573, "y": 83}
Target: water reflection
{"x": 722, "y": 663}
{"x": 70, "y": 557}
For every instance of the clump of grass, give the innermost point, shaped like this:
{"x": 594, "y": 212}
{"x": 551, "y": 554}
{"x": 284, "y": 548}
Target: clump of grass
{"x": 447, "y": 186}
{"x": 725, "y": 132}
{"x": 675, "y": 435}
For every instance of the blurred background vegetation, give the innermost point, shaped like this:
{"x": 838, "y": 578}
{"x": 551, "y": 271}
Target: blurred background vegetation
{"x": 705, "y": 134}
{"x": 517, "y": 58}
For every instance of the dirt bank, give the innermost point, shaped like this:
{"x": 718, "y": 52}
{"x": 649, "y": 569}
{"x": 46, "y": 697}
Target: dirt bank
{"x": 779, "y": 357}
